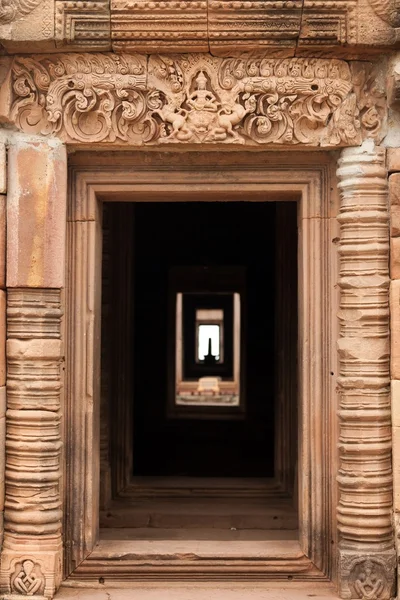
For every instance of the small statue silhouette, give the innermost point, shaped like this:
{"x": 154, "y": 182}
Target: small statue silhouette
{"x": 209, "y": 359}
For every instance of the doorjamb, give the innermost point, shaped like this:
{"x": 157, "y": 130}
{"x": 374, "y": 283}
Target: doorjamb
{"x": 265, "y": 177}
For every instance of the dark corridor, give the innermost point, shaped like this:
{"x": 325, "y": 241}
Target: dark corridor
{"x": 203, "y": 233}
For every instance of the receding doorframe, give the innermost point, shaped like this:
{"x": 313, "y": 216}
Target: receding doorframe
{"x": 307, "y": 177}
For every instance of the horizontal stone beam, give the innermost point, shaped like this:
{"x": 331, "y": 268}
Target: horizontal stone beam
{"x": 140, "y": 100}
{"x": 223, "y": 27}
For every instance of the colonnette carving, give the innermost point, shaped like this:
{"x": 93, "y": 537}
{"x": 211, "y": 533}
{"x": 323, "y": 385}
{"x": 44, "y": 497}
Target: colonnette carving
{"x": 136, "y": 100}
{"x": 366, "y": 551}
{"x": 31, "y": 556}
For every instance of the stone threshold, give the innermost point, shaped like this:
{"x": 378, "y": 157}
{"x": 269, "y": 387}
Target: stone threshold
{"x": 199, "y": 591}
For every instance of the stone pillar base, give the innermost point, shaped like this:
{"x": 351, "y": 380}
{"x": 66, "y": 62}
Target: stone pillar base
{"x": 34, "y": 574}
{"x": 367, "y": 576}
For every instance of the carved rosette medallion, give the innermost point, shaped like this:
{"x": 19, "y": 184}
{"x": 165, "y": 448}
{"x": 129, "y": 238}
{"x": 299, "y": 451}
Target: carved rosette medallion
{"x": 195, "y": 99}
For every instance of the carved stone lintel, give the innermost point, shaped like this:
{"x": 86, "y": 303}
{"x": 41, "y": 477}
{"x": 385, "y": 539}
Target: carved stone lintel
{"x": 32, "y": 550}
{"x": 193, "y": 99}
{"x": 365, "y": 474}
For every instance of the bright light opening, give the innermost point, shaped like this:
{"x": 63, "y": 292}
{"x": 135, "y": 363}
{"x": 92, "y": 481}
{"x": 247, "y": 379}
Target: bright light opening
{"x": 208, "y": 341}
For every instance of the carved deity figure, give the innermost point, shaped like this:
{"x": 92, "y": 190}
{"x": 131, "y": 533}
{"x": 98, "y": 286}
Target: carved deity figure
{"x": 26, "y": 582}
{"x": 368, "y": 585}
{"x": 202, "y": 98}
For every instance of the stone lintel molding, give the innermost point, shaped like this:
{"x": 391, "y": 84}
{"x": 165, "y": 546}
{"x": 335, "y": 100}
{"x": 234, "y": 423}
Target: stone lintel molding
{"x": 169, "y": 26}
{"x": 31, "y": 560}
{"x": 135, "y": 100}
{"x": 83, "y": 25}
{"x": 282, "y": 28}
{"x": 366, "y": 549}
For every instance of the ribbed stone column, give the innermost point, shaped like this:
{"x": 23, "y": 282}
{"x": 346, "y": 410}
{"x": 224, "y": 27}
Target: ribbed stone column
{"x": 366, "y": 547}
{"x": 31, "y": 559}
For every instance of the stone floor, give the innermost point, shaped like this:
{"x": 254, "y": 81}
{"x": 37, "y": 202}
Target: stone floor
{"x": 202, "y": 591}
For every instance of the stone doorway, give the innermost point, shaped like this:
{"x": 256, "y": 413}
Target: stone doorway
{"x": 95, "y": 554}
{"x": 205, "y": 469}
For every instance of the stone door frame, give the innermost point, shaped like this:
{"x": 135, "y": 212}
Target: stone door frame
{"x": 233, "y": 176}
{"x": 356, "y": 545}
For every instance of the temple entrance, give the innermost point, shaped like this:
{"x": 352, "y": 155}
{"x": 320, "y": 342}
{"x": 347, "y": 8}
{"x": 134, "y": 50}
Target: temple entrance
{"x": 209, "y": 375}
{"x": 190, "y": 485}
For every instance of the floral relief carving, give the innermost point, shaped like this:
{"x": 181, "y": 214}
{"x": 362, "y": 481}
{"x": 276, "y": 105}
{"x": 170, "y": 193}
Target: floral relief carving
{"x": 387, "y": 10}
{"x": 85, "y": 97}
{"x": 14, "y": 9}
{"x": 195, "y": 98}
{"x": 27, "y": 579}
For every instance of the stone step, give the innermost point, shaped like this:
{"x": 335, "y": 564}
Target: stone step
{"x": 206, "y": 487}
{"x": 197, "y": 534}
{"x": 190, "y": 513}
{"x": 202, "y": 591}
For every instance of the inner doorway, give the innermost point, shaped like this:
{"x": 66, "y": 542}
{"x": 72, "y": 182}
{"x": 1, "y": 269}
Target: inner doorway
{"x": 99, "y": 416}
{"x": 227, "y": 235}
{"x": 192, "y": 466}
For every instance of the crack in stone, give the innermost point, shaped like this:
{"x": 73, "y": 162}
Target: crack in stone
{"x": 300, "y": 28}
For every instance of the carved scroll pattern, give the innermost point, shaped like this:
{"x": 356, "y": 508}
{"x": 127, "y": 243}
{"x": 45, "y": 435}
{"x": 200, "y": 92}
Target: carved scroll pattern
{"x": 366, "y": 560}
{"x": 15, "y": 9}
{"x": 192, "y": 99}
{"x": 31, "y": 558}
{"x": 387, "y": 10}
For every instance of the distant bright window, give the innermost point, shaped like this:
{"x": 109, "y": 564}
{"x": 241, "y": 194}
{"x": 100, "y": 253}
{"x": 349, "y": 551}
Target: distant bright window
{"x": 209, "y": 335}
{"x": 208, "y": 342}
{"x": 207, "y": 349}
